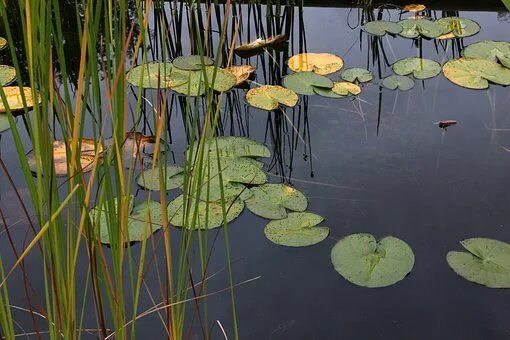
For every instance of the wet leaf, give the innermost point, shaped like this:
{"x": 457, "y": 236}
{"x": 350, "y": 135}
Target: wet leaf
{"x": 268, "y": 97}
{"x": 231, "y": 147}
{"x": 7, "y": 75}
{"x": 381, "y": 27}
{"x": 192, "y": 62}
{"x": 195, "y": 83}
{"x": 414, "y": 28}
{"x": 420, "y": 68}
{"x": 259, "y": 43}
{"x": 298, "y": 229}
{"x": 88, "y": 152}
{"x": 3, "y": 43}
{"x": 394, "y": 82}
{"x": 181, "y": 213}
{"x": 486, "y": 262}
{"x": 154, "y": 75}
{"x": 364, "y": 261}
{"x": 320, "y": 63}
{"x": 490, "y": 50}
{"x": 242, "y": 72}
{"x": 474, "y": 73}
{"x": 304, "y": 82}
{"x": 339, "y": 90}
{"x": 415, "y": 8}
{"x": 15, "y": 99}
{"x": 359, "y": 75}
{"x": 272, "y": 200}
{"x": 459, "y": 27}
{"x": 173, "y": 177}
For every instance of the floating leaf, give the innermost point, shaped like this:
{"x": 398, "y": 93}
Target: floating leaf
{"x": 474, "y": 73}
{"x": 209, "y": 215}
{"x": 298, "y": 229}
{"x": 173, "y": 177}
{"x": 3, "y": 43}
{"x": 4, "y": 123}
{"x": 414, "y": 28}
{"x": 272, "y": 200}
{"x": 360, "y": 75}
{"x": 268, "y": 97}
{"x": 490, "y": 50}
{"x": 242, "y": 72}
{"x": 394, "y": 82}
{"x": 486, "y": 262}
{"x": 360, "y": 259}
{"x": 154, "y": 75}
{"x": 259, "y": 43}
{"x": 339, "y": 90}
{"x": 415, "y": 8}
{"x": 304, "y": 82}
{"x": 89, "y": 148}
{"x": 7, "y": 75}
{"x": 231, "y": 147}
{"x": 195, "y": 83}
{"x": 192, "y": 62}
{"x": 320, "y": 63}
{"x": 14, "y": 97}
{"x": 381, "y": 27}
{"x": 420, "y": 68}
{"x": 459, "y": 27}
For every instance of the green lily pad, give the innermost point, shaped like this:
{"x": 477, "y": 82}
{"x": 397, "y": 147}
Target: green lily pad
{"x": 154, "y": 75}
{"x": 340, "y": 89}
{"x": 356, "y": 74}
{"x": 272, "y": 200}
{"x": 268, "y": 97}
{"x": 474, "y": 73}
{"x": 460, "y": 27}
{"x": 305, "y": 82}
{"x": 298, "y": 229}
{"x": 173, "y": 177}
{"x": 4, "y": 123}
{"x": 486, "y": 262}
{"x": 195, "y": 85}
{"x": 7, "y": 75}
{"x": 394, "y": 82}
{"x": 3, "y": 43}
{"x": 192, "y": 62}
{"x": 209, "y": 214}
{"x": 381, "y": 27}
{"x": 232, "y": 147}
{"x": 360, "y": 259}
{"x": 490, "y": 50}
{"x": 414, "y": 28}
{"x": 420, "y": 68}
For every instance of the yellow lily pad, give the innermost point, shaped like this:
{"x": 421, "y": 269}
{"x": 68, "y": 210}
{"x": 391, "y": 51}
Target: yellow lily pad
{"x": 242, "y": 72}
{"x": 3, "y": 43}
{"x": 268, "y": 97}
{"x": 415, "y": 8}
{"x": 320, "y": 63}
{"x": 14, "y": 98}
{"x": 7, "y": 74}
{"x": 474, "y": 73}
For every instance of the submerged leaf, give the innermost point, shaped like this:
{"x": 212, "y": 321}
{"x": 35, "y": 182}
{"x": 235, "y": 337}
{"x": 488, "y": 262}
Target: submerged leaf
{"x": 14, "y": 97}
{"x": 268, "y": 97}
{"x": 360, "y": 75}
{"x": 192, "y": 62}
{"x": 394, "y": 82}
{"x": 7, "y": 75}
{"x": 339, "y": 90}
{"x": 420, "y": 68}
{"x": 154, "y": 75}
{"x": 486, "y": 262}
{"x": 272, "y": 200}
{"x": 459, "y": 27}
{"x": 414, "y": 28}
{"x": 173, "y": 177}
{"x": 298, "y": 229}
{"x": 242, "y": 72}
{"x": 320, "y": 63}
{"x": 381, "y": 27}
{"x": 490, "y": 50}
{"x": 360, "y": 259}
{"x": 474, "y": 73}
{"x": 305, "y": 82}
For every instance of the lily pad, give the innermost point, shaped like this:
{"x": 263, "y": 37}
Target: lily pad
{"x": 4, "y": 123}
{"x": 320, "y": 63}
{"x": 192, "y": 62}
{"x": 136, "y": 148}
{"x": 3, "y": 43}
{"x": 7, "y": 75}
{"x": 173, "y": 177}
{"x": 490, "y": 50}
{"x": 195, "y": 85}
{"x": 364, "y": 261}
{"x": 305, "y": 82}
{"x": 209, "y": 214}
{"x": 359, "y": 75}
{"x": 414, "y": 28}
{"x": 272, "y": 200}
{"x": 268, "y": 97}
{"x": 459, "y": 27}
{"x": 154, "y": 75}
{"x": 242, "y": 72}
{"x": 259, "y": 43}
{"x": 414, "y": 8}
{"x": 15, "y": 99}
{"x": 340, "y": 90}
{"x": 474, "y": 73}
{"x": 298, "y": 229}
{"x": 394, "y": 82}
{"x": 420, "y": 68}
{"x": 232, "y": 147}
{"x": 381, "y": 27}
{"x": 486, "y": 262}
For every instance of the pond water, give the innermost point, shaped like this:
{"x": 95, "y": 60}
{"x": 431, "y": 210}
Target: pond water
{"x": 376, "y": 163}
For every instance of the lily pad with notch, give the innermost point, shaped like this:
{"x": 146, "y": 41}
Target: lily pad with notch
{"x": 195, "y": 81}
{"x": 298, "y": 229}
{"x": 154, "y": 75}
{"x": 224, "y": 147}
{"x": 475, "y": 73}
{"x": 339, "y": 90}
{"x": 382, "y": 27}
{"x": 364, "y": 261}
{"x": 272, "y": 201}
{"x": 192, "y": 62}
{"x": 241, "y": 72}
{"x": 269, "y": 97}
{"x": 320, "y": 63}
{"x": 415, "y": 28}
{"x": 173, "y": 177}
{"x": 459, "y": 27}
{"x": 356, "y": 74}
{"x": 497, "y": 51}
{"x": 305, "y": 82}
{"x": 420, "y": 68}
{"x": 7, "y": 75}
{"x": 14, "y": 96}
{"x": 397, "y": 82}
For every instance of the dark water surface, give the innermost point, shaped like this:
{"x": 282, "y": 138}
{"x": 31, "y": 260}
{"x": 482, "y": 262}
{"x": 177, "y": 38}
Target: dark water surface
{"x": 377, "y": 164}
